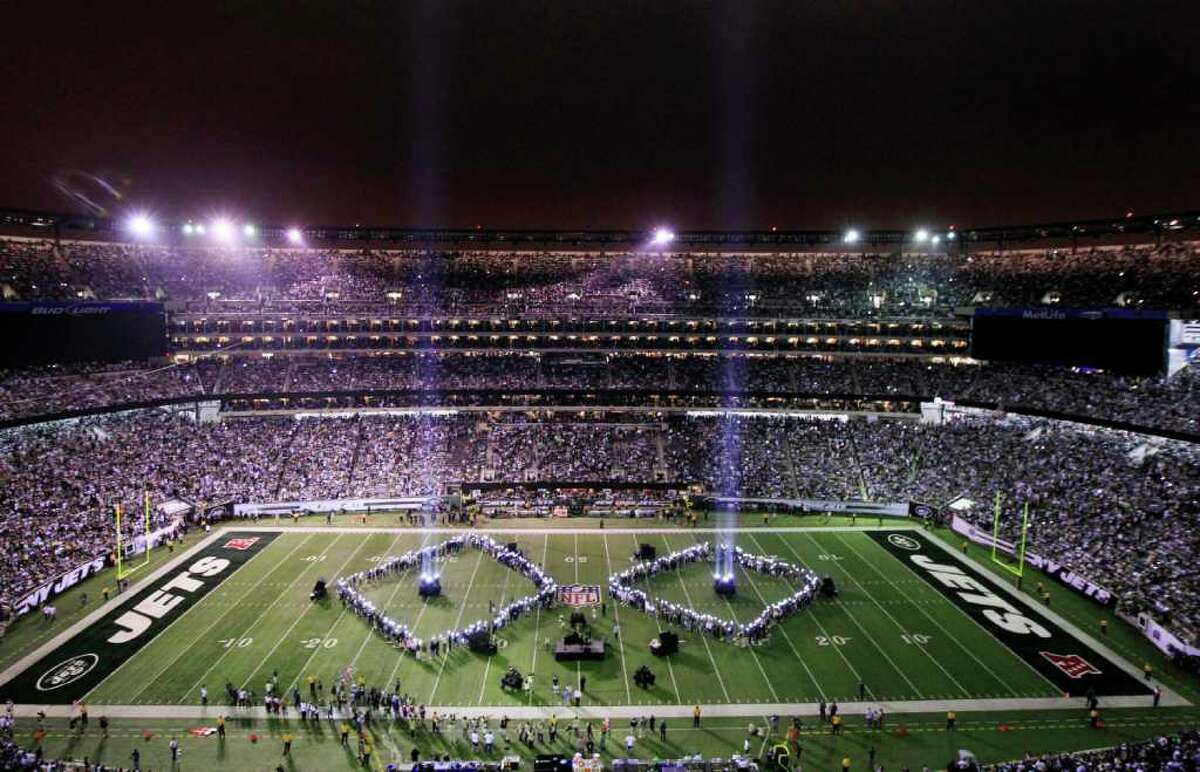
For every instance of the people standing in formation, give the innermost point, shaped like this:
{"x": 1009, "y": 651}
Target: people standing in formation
{"x": 349, "y": 592}
{"x": 754, "y": 631}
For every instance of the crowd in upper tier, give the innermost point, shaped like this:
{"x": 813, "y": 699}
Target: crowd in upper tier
{"x": 491, "y": 283}
{"x": 1154, "y": 403}
{"x": 1122, "y": 509}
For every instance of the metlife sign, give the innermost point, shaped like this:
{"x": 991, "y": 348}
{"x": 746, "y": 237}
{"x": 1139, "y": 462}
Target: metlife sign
{"x": 1071, "y": 665}
{"x": 73, "y": 669}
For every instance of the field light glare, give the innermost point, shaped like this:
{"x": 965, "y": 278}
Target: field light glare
{"x": 248, "y": 230}
{"x": 141, "y": 226}
{"x": 294, "y": 236}
{"x": 222, "y": 230}
{"x": 921, "y": 236}
{"x": 662, "y": 237}
{"x": 851, "y": 237}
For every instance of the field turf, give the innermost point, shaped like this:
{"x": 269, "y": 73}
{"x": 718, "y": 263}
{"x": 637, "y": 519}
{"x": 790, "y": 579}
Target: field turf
{"x": 887, "y": 630}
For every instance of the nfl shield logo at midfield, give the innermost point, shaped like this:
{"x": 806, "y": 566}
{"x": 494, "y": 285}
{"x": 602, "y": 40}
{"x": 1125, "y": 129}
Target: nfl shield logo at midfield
{"x": 579, "y": 595}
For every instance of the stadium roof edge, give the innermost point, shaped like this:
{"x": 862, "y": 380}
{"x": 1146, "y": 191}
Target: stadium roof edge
{"x": 65, "y": 225}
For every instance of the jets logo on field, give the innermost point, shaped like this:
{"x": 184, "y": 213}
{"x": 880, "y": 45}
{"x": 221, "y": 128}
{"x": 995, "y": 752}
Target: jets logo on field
{"x": 1071, "y": 664}
{"x": 904, "y": 542}
{"x": 579, "y": 595}
{"x": 66, "y": 672}
{"x": 240, "y": 544}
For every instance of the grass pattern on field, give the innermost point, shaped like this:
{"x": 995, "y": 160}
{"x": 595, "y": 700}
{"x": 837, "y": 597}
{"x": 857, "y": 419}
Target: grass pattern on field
{"x": 260, "y": 622}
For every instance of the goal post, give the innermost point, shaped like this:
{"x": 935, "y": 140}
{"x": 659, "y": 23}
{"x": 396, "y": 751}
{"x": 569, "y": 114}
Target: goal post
{"x": 122, "y": 569}
{"x": 1004, "y": 556}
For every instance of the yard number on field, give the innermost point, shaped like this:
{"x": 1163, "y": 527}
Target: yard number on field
{"x": 828, "y": 556}
{"x": 314, "y": 558}
{"x": 319, "y": 643}
{"x": 833, "y": 640}
{"x": 920, "y": 639}
{"x": 240, "y": 643}
{"x": 576, "y": 558}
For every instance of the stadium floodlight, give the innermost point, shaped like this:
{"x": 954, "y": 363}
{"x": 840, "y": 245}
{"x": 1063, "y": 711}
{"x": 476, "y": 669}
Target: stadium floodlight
{"x": 295, "y": 236}
{"x": 921, "y": 236}
{"x": 662, "y": 237}
{"x": 248, "y": 230}
{"x": 936, "y": 240}
{"x": 950, "y": 236}
{"x": 222, "y": 230}
{"x": 199, "y": 229}
{"x": 850, "y": 237}
{"x": 188, "y": 229}
{"x": 141, "y": 225}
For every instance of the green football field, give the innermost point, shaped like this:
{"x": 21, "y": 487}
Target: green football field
{"x": 888, "y": 629}
{"x": 896, "y": 631}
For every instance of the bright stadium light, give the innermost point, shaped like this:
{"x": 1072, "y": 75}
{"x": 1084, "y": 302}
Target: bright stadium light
{"x": 662, "y": 237}
{"x": 248, "y": 230}
{"x": 850, "y": 237}
{"x": 295, "y": 236}
{"x": 222, "y": 230}
{"x": 921, "y": 236}
{"x": 140, "y": 225}
{"x": 936, "y": 239}
{"x": 188, "y": 230}
{"x": 199, "y": 229}
{"x": 950, "y": 236}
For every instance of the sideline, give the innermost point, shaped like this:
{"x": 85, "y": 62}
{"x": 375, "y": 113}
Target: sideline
{"x": 725, "y": 710}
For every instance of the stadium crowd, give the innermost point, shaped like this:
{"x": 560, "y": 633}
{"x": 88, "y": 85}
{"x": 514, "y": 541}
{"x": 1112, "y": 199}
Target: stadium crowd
{"x": 1120, "y": 508}
{"x": 491, "y": 282}
{"x": 1154, "y": 403}
{"x": 1177, "y": 754}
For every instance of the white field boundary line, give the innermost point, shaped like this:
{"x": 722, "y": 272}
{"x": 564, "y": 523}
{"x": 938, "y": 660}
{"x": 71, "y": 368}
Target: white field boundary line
{"x": 903, "y": 630}
{"x": 678, "y": 531}
{"x": 854, "y": 620}
{"x": 23, "y": 664}
{"x": 487, "y": 667}
{"x": 961, "y": 647}
{"x": 621, "y": 642}
{"x": 799, "y": 658}
{"x": 390, "y": 600}
{"x": 1070, "y": 627}
{"x": 203, "y": 636}
{"x": 329, "y": 633}
{"x": 279, "y": 641}
{"x": 457, "y": 624}
{"x": 699, "y": 634}
{"x": 711, "y": 710}
{"x": 537, "y": 625}
{"x": 820, "y": 626}
{"x": 245, "y": 633}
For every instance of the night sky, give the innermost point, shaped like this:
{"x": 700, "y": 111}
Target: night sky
{"x": 607, "y": 113}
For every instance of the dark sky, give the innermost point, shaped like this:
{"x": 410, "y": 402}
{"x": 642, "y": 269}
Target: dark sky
{"x": 608, "y": 113}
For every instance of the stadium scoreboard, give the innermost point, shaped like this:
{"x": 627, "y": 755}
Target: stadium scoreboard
{"x": 47, "y": 332}
{"x": 1121, "y": 340}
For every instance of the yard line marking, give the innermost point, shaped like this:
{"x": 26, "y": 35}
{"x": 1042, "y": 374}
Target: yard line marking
{"x": 620, "y": 641}
{"x": 937, "y": 624}
{"x": 700, "y": 633}
{"x": 390, "y": 599}
{"x": 488, "y": 665}
{"x": 300, "y": 616}
{"x": 750, "y": 646}
{"x": 253, "y": 624}
{"x": 875, "y": 643}
{"x": 578, "y": 667}
{"x": 537, "y": 625}
{"x": 457, "y": 622}
{"x": 821, "y": 627}
{"x": 786, "y": 637}
{"x": 307, "y": 662}
{"x": 184, "y": 650}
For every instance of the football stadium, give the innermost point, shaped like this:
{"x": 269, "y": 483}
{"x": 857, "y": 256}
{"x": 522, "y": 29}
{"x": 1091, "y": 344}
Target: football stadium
{"x": 653, "y": 492}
